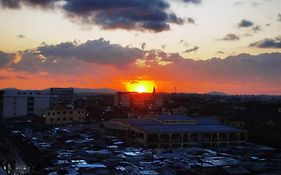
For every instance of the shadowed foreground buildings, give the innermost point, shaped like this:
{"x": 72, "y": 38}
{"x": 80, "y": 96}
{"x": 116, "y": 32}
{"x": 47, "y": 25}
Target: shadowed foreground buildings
{"x": 176, "y": 131}
{"x": 20, "y": 103}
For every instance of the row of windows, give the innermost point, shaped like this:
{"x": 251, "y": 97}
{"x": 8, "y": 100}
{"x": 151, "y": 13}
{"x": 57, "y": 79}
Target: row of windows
{"x": 181, "y": 121}
{"x": 64, "y": 112}
{"x": 25, "y": 93}
{"x": 65, "y": 119}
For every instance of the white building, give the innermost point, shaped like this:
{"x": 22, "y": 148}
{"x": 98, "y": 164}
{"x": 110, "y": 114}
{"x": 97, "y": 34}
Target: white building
{"x": 17, "y": 103}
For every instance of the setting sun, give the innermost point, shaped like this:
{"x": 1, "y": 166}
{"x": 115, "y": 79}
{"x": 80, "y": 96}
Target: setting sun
{"x": 140, "y": 89}
{"x": 140, "y": 86}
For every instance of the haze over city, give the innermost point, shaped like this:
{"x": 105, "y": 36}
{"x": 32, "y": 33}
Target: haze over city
{"x": 194, "y": 45}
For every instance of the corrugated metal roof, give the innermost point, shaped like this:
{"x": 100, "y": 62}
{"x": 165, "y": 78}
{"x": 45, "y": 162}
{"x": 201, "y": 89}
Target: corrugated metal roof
{"x": 173, "y": 117}
{"x": 202, "y": 125}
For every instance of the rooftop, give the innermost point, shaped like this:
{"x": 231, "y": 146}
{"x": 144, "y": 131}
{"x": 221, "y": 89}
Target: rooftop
{"x": 150, "y": 124}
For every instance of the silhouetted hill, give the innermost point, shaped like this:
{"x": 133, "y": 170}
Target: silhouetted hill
{"x": 216, "y": 93}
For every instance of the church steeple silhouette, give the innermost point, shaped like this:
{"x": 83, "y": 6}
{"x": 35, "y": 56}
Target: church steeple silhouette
{"x": 154, "y": 90}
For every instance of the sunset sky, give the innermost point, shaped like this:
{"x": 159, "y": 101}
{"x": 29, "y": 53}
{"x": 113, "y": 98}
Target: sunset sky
{"x": 231, "y": 46}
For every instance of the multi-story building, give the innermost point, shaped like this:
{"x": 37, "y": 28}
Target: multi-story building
{"x": 133, "y": 99}
{"x": 176, "y": 131}
{"x": 61, "y": 96}
{"x": 64, "y": 116}
{"x": 17, "y": 103}
{"x": 122, "y": 99}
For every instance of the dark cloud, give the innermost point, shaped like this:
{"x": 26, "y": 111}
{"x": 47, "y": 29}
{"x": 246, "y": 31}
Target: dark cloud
{"x": 148, "y": 15}
{"x": 220, "y": 52}
{"x": 230, "y": 37}
{"x": 73, "y": 57}
{"x": 195, "y": 48}
{"x": 21, "y": 36}
{"x": 257, "y": 28}
{"x": 245, "y": 23}
{"x": 153, "y": 57}
{"x": 181, "y": 41}
{"x": 190, "y": 20}
{"x": 233, "y": 69}
{"x": 5, "y": 58}
{"x": 34, "y": 62}
{"x": 15, "y": 4}
{"x": 143, "y": 45}
{"x": 97, "y": 51}
{"x": 268, "y": 43}
{"x": 151, "y": 15}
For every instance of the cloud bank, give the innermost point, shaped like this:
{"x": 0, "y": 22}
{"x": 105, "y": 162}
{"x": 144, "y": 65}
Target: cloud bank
{"x": 245, "y": 23}
{"x": 231, "y": 37}
{"x": 268, "y": 43}
{"x": 145, "y": 15}
{"x": 105, "y": 61}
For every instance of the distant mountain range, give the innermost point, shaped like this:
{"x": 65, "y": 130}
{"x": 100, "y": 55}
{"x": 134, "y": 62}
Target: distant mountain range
{"x": 98, "y": 90}
{"x": 216, "y": 93}
{"x": 79, "y": 90}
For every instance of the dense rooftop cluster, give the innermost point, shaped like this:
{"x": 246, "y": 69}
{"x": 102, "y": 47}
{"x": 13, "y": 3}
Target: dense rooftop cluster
{"x": 86, "y": 150}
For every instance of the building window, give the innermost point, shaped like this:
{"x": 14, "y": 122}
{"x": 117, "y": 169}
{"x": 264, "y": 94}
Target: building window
{"x": 54, "y": 113}
{"x": 58, "y": 119}
{"x": 58, "y": 113}
{"x": 70, "y": 112}
{"x": 141, "y": 135}
{"x": 48, "y": 113}
{"x": 64, "y": 119}
{"x": 51, "y": 119}
{"x": 63, "y": 112}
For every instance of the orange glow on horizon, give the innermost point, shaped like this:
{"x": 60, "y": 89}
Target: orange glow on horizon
{"x": 140, "y": 86}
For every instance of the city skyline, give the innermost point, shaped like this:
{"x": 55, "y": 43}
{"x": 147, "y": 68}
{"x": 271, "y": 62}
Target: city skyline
{"x": 194, "y": 45}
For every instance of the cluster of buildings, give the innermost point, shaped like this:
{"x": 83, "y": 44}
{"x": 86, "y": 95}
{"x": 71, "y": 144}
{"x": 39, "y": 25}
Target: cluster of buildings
{"x": 83, "y": 149}
{"x": 135, "y": 144}
{"x": 54, "y": 104}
